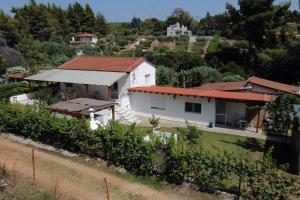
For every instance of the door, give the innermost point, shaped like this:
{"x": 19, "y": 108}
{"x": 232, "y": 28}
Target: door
{"x": 221, "y": 110}
{"x": 115, "y": 91}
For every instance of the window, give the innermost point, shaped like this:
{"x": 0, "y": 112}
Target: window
{"x": 147, "y": 79}
{"x": 192, "y": 107}
{"x": 158, "y": 103}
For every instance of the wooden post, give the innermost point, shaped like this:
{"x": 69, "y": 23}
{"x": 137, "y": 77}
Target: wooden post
{"x": 87, "y": 95}
{"x": 109, "y": 93}
{"x": 106, "y": 188}
{"x": 30, "y": 90}
{"x": 66, "y": 92}
{"x": 258, "y": 116}
{"x": 113, "y": 113}
{"x": 33, "y": 169}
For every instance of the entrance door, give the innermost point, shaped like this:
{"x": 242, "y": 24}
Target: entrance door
{"x": 115, "y": 92}
{"x": 221, "y": 109}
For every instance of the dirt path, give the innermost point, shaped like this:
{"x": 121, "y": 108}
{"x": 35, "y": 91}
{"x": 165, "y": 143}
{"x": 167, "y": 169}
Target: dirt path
{"x": 205, "y": 49}
{"x": 77, "y": 180}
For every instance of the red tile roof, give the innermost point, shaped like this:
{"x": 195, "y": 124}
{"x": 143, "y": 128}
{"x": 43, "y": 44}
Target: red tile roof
{"x": 16, "y": 76}
{"x": 224, "y": 86}
{"x": 205, "y": 93}
{"x": 100, "y": 63}
{"x": 87, "y": 35}
{"x": 273, "y": 85}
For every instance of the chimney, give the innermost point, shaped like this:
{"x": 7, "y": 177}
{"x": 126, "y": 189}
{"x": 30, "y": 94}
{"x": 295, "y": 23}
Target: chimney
{"x": 73, "y": 39}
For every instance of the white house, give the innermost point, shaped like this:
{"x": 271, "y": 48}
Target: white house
{"x": 101, "y": 78}
{"x": 85, "y": 39}
{"x": 202, "y": 107}
{"x": 176, "y": 30}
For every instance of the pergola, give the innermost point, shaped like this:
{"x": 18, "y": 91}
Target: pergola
{"x": 84, "y": 77}
{"x": 80, "y": 107}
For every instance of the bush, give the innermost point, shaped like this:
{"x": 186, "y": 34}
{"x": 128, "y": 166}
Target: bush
{"x": 121, "y": 145}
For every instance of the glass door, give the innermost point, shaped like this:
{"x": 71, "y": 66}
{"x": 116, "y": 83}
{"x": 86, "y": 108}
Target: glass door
{"x": 221, "y": 110}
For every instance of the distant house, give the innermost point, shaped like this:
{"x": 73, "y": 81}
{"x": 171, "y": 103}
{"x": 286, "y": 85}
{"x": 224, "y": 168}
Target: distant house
{"x": 177, "y": 30}
{"x": 85, "y": 39}
{"x": 253, "y": 84}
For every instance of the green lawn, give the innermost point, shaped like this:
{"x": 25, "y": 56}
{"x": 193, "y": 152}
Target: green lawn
{"x": 213, "y": 141}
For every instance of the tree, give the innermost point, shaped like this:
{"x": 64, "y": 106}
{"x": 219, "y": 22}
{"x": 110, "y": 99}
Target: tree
{"x": 30, "y": 49}
{"x": 165, "y": 76}
{"x": 181, "y": 16}
{"x": 101, "y": 26}
{"x": 76, "y": 16}
{"x": 136, "y": 23}
{"x": 89, "y": 20}
{"x": 280, "y": 112}
{"x": 10, "y": 56}
{"x": 8, "y": 29}
{"x": 257, "y": 20}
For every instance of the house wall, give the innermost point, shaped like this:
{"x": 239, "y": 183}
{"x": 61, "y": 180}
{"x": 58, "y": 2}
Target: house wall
{"x": 174, "y": 108}
{"x": 135, "y": 79}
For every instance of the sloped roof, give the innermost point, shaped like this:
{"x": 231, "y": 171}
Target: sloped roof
{"x": 274, "y": 85}
{"x": 224, "y": 86}
{"x": 101, "y": 63}
{"x": 78, "y": 77}
{"x": 205, "y": 93}
{"x": 87, "y": 35}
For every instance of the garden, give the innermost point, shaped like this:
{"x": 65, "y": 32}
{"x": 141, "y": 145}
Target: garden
{"x": 205, "y": 166}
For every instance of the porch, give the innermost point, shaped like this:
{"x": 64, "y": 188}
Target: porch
{"x": 239, "y": 115}
{"x": 74, "y": 84}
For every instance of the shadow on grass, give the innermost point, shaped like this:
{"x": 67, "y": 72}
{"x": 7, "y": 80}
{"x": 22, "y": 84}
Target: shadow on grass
{"x": 250, "y": 144}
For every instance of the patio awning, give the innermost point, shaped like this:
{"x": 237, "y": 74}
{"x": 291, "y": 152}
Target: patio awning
{"x": 78, "y": 77}
{"x": 81, "y": 106}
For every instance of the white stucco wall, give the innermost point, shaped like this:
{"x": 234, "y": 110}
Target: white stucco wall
{"x": 174, "y": 108}
{"x": 138, "y": 75}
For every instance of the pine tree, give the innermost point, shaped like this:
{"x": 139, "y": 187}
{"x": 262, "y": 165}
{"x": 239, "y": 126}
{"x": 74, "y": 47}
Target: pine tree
{"x": 89, "y": 22}
{"x": 101, "y": 26}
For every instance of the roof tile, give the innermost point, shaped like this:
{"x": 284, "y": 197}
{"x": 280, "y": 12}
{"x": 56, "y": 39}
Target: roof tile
{"x": 205, "y": 93}
{"x": 101, "y": 63}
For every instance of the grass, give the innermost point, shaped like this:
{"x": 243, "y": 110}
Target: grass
{"x": 213, "y": 141}
{"x": 213, "y": 47}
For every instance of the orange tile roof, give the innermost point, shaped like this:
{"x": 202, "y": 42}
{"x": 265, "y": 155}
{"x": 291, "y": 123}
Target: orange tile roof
{"x": 205, "y": 93}
{"x": 19, "y": 75}
{"x": 224, "y": 86}
{"x": 274, "y": 85}
{"x": 87, "y": 35}
{"x": 100, "y": 63}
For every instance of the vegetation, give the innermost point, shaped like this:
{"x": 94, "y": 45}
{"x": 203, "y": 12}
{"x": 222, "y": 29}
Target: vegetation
{"x": 280, "y": 112}
{"x": 124, "y": 146}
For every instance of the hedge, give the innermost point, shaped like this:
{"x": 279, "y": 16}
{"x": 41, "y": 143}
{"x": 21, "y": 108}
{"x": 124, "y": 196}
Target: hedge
{"x": 123, "y": 146}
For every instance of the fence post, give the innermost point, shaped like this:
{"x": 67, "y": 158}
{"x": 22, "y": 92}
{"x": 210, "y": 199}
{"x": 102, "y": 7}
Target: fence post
{"x": 106, "y": 188}
{"x": 33, "y": 169}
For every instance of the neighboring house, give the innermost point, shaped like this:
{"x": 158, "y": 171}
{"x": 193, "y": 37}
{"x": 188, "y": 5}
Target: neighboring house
{"x": 101, "y": 78}
{"x": 202, "y": 107}
{"x": 176, "y": 30}
{"x": 85, "y": 39}
{"x": 253, "y": 84}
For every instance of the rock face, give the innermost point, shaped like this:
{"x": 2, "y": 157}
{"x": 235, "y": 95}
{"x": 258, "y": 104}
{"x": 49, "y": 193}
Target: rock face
{"x": 12, "y": 57}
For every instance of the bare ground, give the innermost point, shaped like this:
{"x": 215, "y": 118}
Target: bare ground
{"x": 73, "y": 178}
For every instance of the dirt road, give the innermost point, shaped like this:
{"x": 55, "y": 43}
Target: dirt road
{"x": 77, "y": 180}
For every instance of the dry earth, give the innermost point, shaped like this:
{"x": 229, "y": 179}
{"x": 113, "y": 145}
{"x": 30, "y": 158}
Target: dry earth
{"x": 74, "y": 178}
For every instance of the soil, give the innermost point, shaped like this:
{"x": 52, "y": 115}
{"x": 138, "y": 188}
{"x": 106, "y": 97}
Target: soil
{"x": 75, "y": 178}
